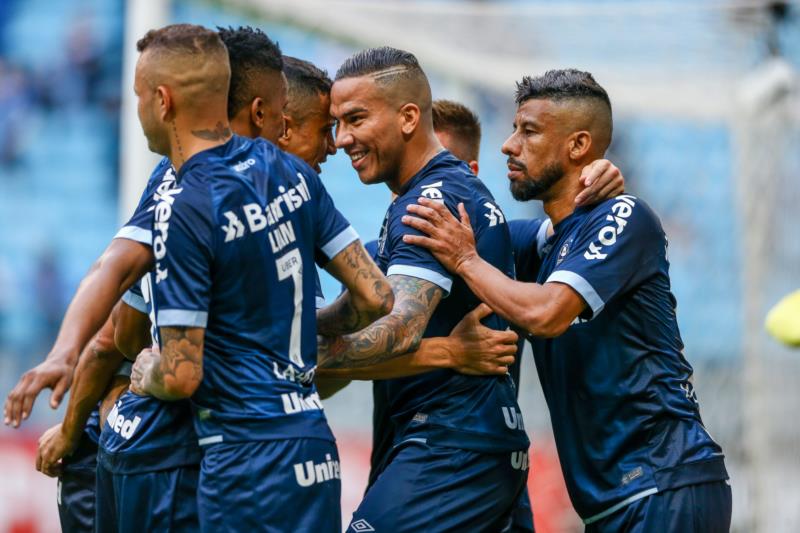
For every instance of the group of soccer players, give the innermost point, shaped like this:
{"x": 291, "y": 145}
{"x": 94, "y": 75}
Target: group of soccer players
{"x": 211, "y": 290}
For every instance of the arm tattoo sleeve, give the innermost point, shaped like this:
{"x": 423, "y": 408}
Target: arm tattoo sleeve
{"x": 360, "y": 272}
{"x": 180, "y": 366}
{"x": 393, "y": 335}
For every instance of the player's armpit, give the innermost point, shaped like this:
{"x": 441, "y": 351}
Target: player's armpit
{"x": 399, "y": 332}
{"x": 367, "y": 298}
{"x": 174, "y": 372}
{"x": 131, "y": 331}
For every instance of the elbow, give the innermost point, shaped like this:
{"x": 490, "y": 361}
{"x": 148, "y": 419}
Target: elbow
{"x": 378, "y": 303}
{"x": 182, "y": 389}
{"x": 545, "y": 323}
{"x": 104, "y": 347}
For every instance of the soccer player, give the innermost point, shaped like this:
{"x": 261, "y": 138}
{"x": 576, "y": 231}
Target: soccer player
{"x": 309, "y": 125}
{"x": 633, "y": 449}
{"x": 460, "y": 451}
{"x": 235, "y": 314}
{"x": 165, "y": 430}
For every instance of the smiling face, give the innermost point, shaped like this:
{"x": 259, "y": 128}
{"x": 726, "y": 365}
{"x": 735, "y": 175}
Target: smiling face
{"x": 535, "y": 150}
{"x": 369, "y": 128}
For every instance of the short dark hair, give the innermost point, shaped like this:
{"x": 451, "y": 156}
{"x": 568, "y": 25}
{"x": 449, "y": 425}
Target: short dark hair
{"x": 461, "y": 122}
{"x": 575, "y": 85}
{"x": 374, "y": 60}
{"x": 181, "y": 38}
{"x": 251, "y": 52}
{"x": 392, "y": 69}
{"x": 305, "y": 77}
{"x": 561, "y": 84}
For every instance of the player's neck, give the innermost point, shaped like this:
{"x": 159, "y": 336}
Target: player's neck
{"x": 188, "y": 138}
{"x": 415, "y": 160}
{"x": 559, "y": 202}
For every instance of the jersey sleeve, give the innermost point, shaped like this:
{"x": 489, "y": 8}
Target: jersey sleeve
{"x": 620, "y": 245}
{"x": 528, "y": 238}
{"x": 183, "y": 246}
{"x": 333, "y": 231}
{"x": 139, "y": 226}
{"x": 133, "y": 297}
{"x": 408, "y": 259}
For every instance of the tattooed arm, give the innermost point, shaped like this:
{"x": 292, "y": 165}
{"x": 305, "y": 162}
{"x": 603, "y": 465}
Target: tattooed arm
{"x": 393, "y": 335}
{"x": 367, "y": 298}
{"x": 175, "y": 372}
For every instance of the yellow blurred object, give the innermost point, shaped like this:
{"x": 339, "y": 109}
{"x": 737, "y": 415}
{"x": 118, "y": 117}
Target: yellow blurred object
{"x": 783, "y": 320}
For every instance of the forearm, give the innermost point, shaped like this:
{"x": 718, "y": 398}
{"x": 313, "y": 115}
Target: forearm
{"x": 93, "y": 374}
{"x": 110, "y": 276}
{"x": 368, "y": 296}
{"x": 174, "y": 372}
{"x": 528, "y": 305}
{"x": 343, "y": 316}
{"x": 432, "y": 354}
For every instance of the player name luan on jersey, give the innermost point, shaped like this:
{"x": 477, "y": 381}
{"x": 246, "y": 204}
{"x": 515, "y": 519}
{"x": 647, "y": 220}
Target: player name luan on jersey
{"x": 309, "y": 472}
{"x": 121, "y": 425}
{"x": 261, "y": 217}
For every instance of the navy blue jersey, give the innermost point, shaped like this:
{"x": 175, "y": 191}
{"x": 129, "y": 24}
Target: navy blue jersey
{"x": 470, "y": 412}
{"x": 624, "y": 412}
{"x": 231, "y": 245}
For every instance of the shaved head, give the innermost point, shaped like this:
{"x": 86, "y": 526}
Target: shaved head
{"x": 191, "y": 60}
{"x": 182, "y": 76}
{"x": 397, "y": 73}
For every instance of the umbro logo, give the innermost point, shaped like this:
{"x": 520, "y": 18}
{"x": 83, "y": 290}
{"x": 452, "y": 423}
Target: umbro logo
{"x": 494, "y": 215}
{"x": 361, "y": 525}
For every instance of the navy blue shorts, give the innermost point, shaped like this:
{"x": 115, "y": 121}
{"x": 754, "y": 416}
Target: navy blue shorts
{"x": 162, "y": 501}
{"x": 435, "y": 488}
{"x": 701, "y": 508}
{"x": 76, "y": 488}
{"x": 280, "y": 485}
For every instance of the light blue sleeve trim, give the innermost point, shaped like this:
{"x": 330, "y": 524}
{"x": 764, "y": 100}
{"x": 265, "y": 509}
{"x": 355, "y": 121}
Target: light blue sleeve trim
{"x": 332, "y": 248}
{"x": 135, "y": 301}
{"x": 135, "y": 233}
{"x": 422, "y": 273}
{"x": 124, "y": 369}
{"x": 320, "y": 301}
{"x": 582, "y": 287}
{"x": 181, "y": 317}
{"x": 541, "y": 236}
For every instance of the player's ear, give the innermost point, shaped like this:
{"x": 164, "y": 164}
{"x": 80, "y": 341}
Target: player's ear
{"x": 578, "y": 144}
{"x": 409, "y": 118}
{"x": 288, "y": 131}
{"x": 164, "y": 102}
{"x": 257, "y": 113}
{"x": 474, "y": 166}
